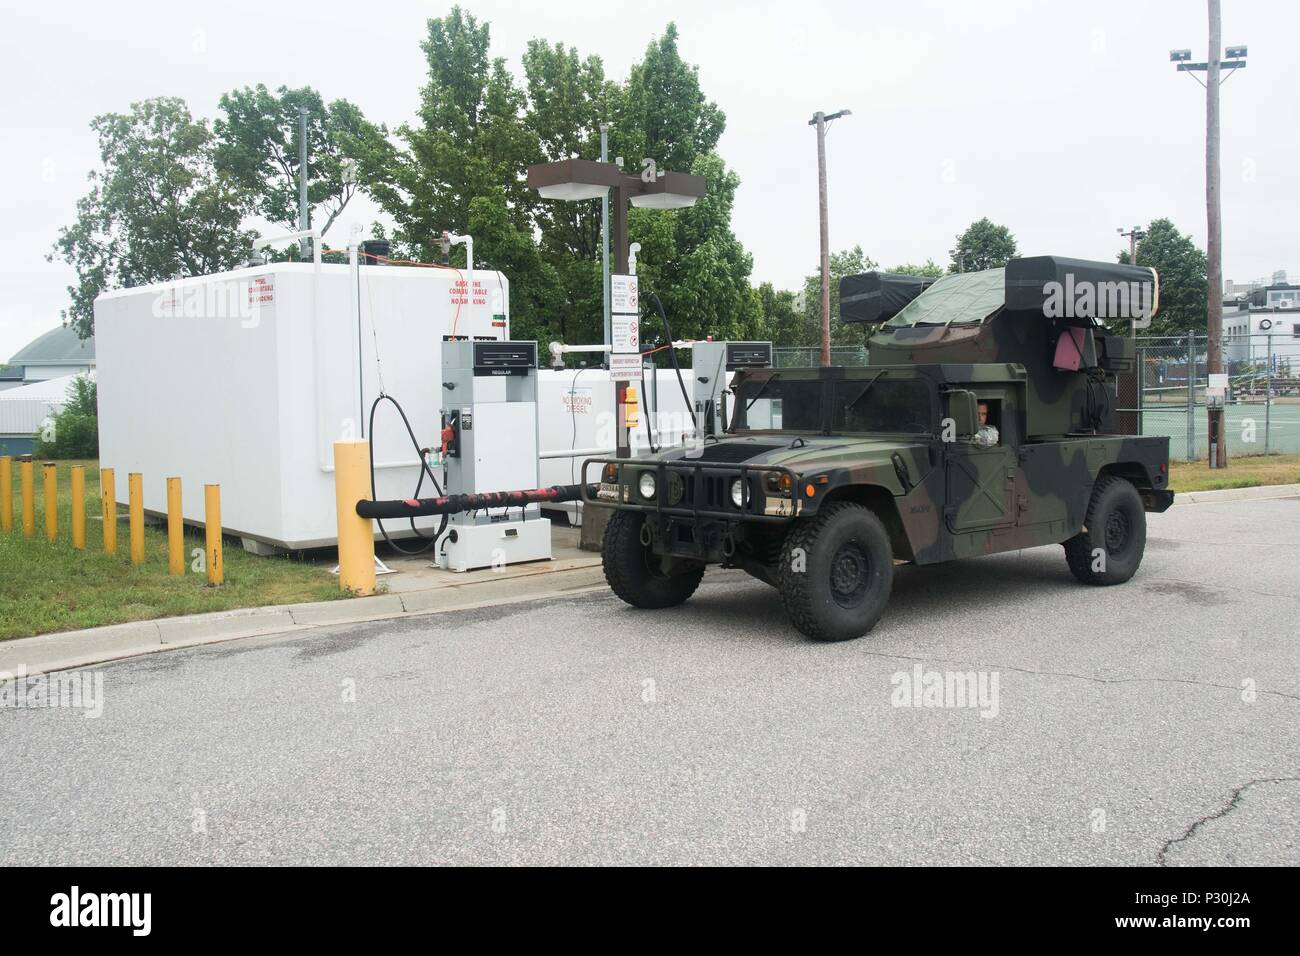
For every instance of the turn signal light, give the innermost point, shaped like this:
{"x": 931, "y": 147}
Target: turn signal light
{"x": 611, "y": 474}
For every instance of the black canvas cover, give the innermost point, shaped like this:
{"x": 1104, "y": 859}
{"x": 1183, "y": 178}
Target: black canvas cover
{"x": 874, "y": 297}
{"x": 1079, "y": 291}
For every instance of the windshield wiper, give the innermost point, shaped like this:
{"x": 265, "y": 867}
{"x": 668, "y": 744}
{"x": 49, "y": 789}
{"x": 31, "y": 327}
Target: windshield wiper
{"x": 761, "y": 389}
{"x": 866, "y": 388}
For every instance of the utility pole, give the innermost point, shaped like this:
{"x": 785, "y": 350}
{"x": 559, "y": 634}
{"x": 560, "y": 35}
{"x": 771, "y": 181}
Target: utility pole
{"x": 1134, "y": 235}
{"x": 1213, "y": 238}
{"x": 604, "y": 237}
{"x": 304, "y": 210}
{"x": 1212, "y": 67}
{"x": 820, "y": 120}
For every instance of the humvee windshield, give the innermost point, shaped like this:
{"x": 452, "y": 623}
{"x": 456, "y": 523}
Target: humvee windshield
{"x": 963, "y": 299}
{"x": 877, "y": 403}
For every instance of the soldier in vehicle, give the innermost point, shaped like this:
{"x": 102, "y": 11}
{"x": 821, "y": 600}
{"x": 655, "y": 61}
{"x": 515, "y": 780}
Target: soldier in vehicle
{"x": 987, "y": 436}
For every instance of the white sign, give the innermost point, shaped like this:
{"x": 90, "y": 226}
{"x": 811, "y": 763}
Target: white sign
{"x": 623, "y": 296}
{"x": 625, "y": 368}
{"x": 1218, "y": 384}
{"x": 261, "y": 291}
{"x": 626, "y": 334}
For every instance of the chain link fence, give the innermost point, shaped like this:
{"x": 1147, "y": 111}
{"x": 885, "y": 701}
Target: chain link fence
{"x": 1262, "y": 405}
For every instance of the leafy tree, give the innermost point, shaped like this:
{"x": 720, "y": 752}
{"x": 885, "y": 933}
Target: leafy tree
{"x": 1184, "y": 288}
{"x": 786, "y": 325}
{"x": 929, "y": 270}
{"x": 258, "y": 147}
{"x": 984, "y": 245}
{"x": 845, "y": 263}
{"x": 74, "y": 429}
{"x": 462, "y": 168}
{"x": 159, "y": 207}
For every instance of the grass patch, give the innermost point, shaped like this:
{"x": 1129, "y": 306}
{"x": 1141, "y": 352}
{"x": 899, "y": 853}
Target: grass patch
{"x": 1241, "y": 473}
{"x": 49, "y": 586}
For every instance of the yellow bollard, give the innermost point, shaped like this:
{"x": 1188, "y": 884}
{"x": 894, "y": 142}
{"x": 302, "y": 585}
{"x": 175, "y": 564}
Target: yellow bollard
{"x": 79, "y": 507}
{"x": 175, "y": 529}
{"x": 356, "y": 534}
{"x": 51, "y": 477}
{"x": 212, "y": 533}
{"x": 135, "y": 499}
{"x": 6, "y": 493}
{"x": 108, "y": 505}
{"x": 29, "y": 506}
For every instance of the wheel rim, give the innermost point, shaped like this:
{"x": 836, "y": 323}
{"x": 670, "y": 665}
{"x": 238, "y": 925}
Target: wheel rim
{"x": 849, "y": 570}
{"x": 1117, "y": 530}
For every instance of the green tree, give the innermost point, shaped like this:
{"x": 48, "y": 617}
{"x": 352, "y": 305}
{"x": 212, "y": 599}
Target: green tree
{"x": 984, "y": 245}
{"x": 786, "y": 325}
{"x": 848, "y": 262}
{"x": 258, "y": 147}
{"x": 462, "y": 168}
{"x": 929, "y": 270}
{"x": 73, "y": 431}
{"x": 1184, "y": 287}
{"x": 158, "y": 208}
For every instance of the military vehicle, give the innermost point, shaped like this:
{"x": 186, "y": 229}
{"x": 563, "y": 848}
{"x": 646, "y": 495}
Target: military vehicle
{"x": 983, "y": 423}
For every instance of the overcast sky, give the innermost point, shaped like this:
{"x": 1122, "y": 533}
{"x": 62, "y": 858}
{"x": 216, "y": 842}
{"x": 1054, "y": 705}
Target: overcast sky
{"x": 1063, "y": 121}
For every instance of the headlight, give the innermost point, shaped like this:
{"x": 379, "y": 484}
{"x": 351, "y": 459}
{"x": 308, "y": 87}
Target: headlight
{"x": 646, "y": 485}
{"x": 737, "y": 493}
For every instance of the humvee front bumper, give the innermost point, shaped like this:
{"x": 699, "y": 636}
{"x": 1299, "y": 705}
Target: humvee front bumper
{"x": 699, "y": 489}
{"x": 692, "y": 514}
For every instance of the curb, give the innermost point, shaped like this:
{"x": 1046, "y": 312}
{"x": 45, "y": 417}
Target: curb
{"x": 1253, "y": 493}
{"x": 68, "y": 650}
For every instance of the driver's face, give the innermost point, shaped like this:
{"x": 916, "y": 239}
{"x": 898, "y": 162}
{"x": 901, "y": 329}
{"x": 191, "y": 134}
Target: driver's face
{"x": 984, "y": 414}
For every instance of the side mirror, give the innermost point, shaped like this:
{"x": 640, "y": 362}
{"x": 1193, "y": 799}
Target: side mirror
{"x": 964, "y": 411}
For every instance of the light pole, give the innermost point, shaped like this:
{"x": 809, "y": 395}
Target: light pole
{"x": 578, "y": 179}
{"x": 820, "y": 120}
{"x": 1236, "y": 59}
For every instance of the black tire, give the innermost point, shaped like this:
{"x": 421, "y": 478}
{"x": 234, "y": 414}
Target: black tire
{"x": 633, "y": 571}
{"x": 848, "y": 572}
{"x": 1114, "y": 534}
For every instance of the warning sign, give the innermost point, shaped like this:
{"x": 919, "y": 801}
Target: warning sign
{"x": 623, "y": 296}
{"x": 261, "y": 291}
{"x": 625, "y": 368}
{"x": 625, "y": 333}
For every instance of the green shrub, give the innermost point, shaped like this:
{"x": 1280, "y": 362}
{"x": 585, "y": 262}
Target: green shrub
{"x": 74, "y": 431}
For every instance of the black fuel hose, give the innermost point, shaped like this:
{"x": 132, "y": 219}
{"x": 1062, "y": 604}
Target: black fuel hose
{"x": 424, "y": 469}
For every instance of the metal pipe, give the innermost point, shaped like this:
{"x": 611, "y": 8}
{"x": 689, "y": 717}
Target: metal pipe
{"x": 456, "y": 504}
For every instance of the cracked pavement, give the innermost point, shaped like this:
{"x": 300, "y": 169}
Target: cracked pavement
{"x": 1149, "y": 724}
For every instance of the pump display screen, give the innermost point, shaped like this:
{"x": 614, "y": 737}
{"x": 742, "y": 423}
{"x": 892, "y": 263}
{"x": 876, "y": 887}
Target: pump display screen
{"x": 748, "y": 355}
{"x": 504, "y": 358}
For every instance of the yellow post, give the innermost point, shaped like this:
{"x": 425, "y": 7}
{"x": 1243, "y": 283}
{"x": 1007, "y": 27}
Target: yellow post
{"x": 29, "y": 506}
{"x": 135, "y": 498}
{"x": 175, "y": 529}
{"x": 51, "y": 476}
{"x": 212, "y": 532}
{"x": 108, "y": 505}
{"x": 356, "y": 534}
{"x": 79, "y": 507}
{"x": 6, "y": 492}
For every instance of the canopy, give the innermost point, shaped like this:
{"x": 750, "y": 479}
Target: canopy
{"x": 876, "y": 296}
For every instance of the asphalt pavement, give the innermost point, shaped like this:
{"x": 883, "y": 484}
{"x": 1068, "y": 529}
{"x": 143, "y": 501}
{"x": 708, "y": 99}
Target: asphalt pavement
{"x": 1152, "y": 723}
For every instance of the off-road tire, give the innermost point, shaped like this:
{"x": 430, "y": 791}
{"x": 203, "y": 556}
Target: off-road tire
{"x": 838, "y": 537}
{"x": 632, "y": 570}
{"x": 1116, "y": 523}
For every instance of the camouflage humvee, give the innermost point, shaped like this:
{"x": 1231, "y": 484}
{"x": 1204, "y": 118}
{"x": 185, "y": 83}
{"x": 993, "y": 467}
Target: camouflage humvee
{"x": 982, "y": 424}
